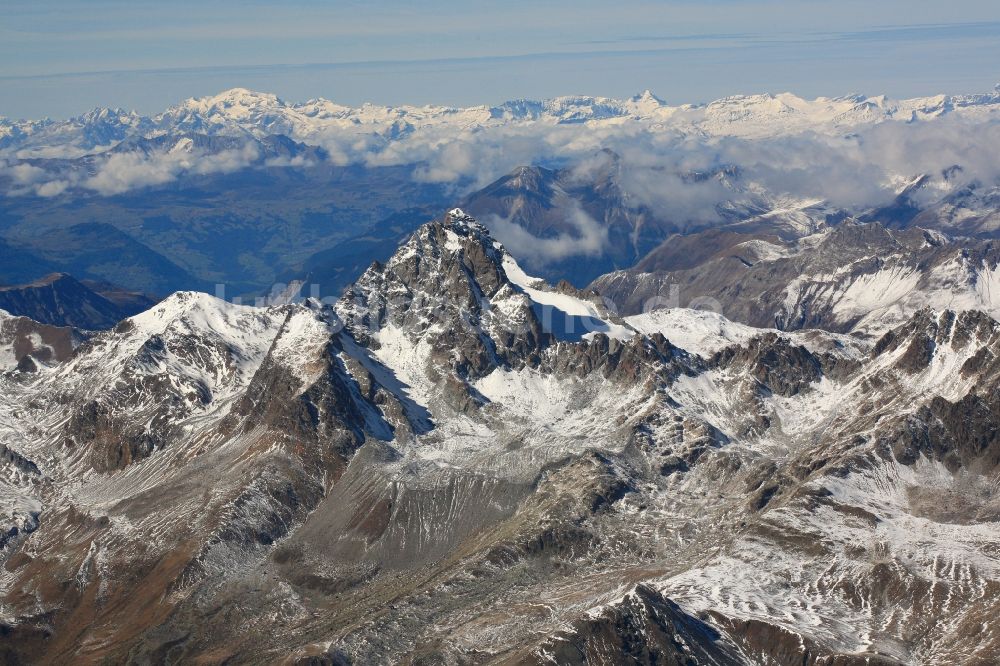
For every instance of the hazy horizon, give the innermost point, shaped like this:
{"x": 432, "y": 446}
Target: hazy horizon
{"x": 59, "y": 59}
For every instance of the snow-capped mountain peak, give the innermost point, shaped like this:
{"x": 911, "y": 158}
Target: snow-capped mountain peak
{"x": 235, "y": 102}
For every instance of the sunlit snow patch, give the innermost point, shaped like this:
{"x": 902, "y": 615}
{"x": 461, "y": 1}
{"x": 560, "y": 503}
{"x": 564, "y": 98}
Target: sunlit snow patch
{"x": 567, "y": 317}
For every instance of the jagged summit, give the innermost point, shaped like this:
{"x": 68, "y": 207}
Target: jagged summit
{"x": 647, "y": 94}
{"x": 458, "y": 220}
{"x": 457, "y": 215}
{"x": 646, "y": 103}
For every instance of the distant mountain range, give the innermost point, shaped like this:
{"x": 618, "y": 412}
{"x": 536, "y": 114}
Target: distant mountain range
{"x": 241, "y": 112}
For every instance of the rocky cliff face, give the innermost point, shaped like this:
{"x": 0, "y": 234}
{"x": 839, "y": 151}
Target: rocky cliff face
{"x": 853, "y": 277}
{"x": 447, "y": 288}
{"x": 458, "y": 463}
{"x": 25, "y": 344}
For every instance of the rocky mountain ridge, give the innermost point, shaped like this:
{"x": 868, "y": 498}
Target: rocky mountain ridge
{"x": 458, "y": 463}
{"x": 853, "y": 277}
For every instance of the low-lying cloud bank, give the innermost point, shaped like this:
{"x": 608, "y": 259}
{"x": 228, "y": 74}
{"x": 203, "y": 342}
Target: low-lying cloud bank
{"x": 854, "y": 171}
{"x": 118, "y": 173}
{"x": 126, "y": 171}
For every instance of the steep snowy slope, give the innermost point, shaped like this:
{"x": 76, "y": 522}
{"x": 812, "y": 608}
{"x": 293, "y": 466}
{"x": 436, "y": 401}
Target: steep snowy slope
{"x": 705, "y": 332}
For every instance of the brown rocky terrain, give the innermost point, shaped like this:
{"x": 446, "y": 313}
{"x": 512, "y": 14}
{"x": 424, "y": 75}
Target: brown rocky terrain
{"x": 426, "y": 473}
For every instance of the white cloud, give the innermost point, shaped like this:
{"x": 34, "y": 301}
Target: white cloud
{"x": 53, "y": 188}
{"x": 122, "y": 172}
{"x": 297, "y": 161}
{"x": 24, "y": 174}
{"x": 852, "y": 171}
{"x": 589, "y": 239}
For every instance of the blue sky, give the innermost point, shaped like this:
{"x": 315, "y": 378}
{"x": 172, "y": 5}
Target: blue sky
{"x": 59, "y": 58}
